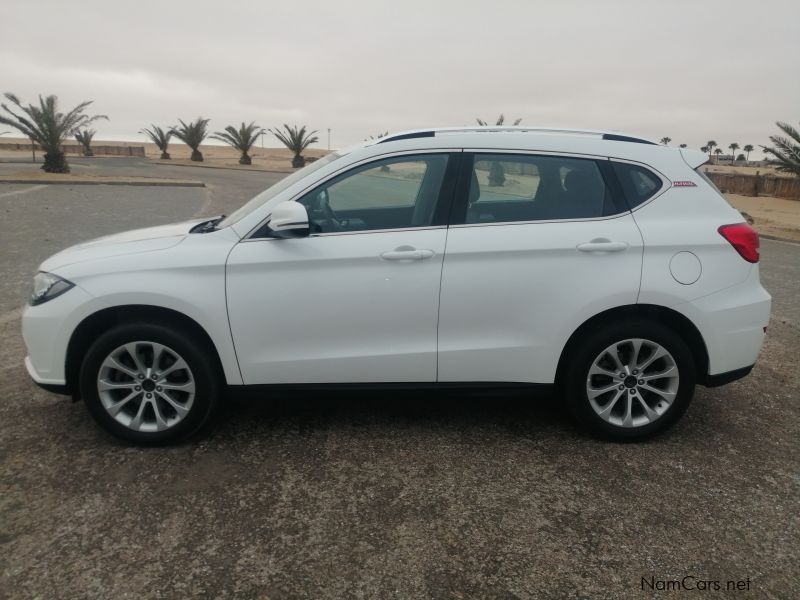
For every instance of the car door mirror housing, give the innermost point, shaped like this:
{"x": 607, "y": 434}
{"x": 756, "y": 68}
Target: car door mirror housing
{"x": 289, "y": 220}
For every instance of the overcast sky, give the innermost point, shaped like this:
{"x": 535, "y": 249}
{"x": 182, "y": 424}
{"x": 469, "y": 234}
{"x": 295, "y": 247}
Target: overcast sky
{"x": 690, "y": 70}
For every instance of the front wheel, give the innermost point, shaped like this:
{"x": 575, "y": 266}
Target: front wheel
{"x": 149, "y": 383}
{"x": 630, "y": 380}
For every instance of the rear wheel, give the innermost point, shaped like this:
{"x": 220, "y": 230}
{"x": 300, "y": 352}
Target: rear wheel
{"x": 630, "y": 380}
{"x": 149, "y": 383}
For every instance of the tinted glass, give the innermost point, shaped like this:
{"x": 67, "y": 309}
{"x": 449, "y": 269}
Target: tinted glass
{"x": 389, "y": 194}
{"x": 507, "y": 188}
{"x": 638, "y": 183}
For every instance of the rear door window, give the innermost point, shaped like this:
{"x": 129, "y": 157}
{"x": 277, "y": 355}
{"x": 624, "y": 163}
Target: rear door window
{"x": 507, "y": 188}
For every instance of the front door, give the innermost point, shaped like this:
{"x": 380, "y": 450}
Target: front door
{"x": 357, "y": 300}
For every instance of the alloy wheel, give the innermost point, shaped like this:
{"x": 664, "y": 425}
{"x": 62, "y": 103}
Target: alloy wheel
{"x": 146, "y": 386}
{"x": 632, "y": 383}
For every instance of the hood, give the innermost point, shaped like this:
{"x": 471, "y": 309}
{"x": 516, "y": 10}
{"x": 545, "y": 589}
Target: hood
{"x": 148, "y": 239}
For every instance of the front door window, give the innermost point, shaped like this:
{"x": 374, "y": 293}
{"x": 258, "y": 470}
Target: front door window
{"x": 394, "y": 193}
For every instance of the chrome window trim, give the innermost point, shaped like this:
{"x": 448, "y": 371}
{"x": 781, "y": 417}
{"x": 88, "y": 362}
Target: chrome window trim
{"x": 666, "y": 185}
{"x": 338, "y": 233}
{"x": 542, "y": 222}
{"x": 375, "y": 158}
{"x": 524, "y": 152}
{"x": 665, "y": 181}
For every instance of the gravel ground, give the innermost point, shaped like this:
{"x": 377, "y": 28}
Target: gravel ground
{"x": 373, "y": 495}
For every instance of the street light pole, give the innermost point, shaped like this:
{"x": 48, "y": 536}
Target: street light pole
{"x": 329, "y": 138}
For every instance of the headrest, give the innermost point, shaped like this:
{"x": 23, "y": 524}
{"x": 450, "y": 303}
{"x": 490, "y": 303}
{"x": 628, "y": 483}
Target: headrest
{"x": 474, "y": 188}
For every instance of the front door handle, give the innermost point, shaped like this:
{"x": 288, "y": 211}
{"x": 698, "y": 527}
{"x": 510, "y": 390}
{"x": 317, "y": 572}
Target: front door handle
{"x": 407, "y": 253}
{"x": 602, "y": 245}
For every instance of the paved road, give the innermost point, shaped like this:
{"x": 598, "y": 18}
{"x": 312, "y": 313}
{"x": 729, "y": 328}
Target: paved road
{"x": 382, "y": 495}
{"x": 40, "y": 220}
{"x": 780, "y": 274}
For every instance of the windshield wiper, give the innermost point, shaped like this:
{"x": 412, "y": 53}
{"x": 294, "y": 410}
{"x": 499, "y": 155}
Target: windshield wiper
{"x": 207, "y": 226}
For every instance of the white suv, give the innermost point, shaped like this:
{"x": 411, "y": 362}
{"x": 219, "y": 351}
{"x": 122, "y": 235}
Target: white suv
{"x": 604, "y": 264}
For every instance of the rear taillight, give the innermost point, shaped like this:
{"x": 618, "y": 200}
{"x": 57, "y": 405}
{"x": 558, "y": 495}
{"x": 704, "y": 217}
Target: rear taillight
{"x": 743, "y": 238}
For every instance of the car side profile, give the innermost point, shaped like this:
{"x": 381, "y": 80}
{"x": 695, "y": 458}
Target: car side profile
{"x": 602, "y": 264}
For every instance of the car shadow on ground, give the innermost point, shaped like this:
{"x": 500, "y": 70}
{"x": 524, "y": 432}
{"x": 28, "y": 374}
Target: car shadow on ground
{"x": 489, "y": 410}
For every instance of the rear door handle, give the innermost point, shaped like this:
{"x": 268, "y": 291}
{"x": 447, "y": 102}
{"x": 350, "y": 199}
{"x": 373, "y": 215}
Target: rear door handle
{"x": 602, "y": 245}
{"x": 407, "y": 253}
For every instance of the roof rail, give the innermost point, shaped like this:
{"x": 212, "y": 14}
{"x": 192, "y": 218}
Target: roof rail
{"x": 614, "y": 137}
{"x": 407, "y": 136}
{"x": 420, "y": 133}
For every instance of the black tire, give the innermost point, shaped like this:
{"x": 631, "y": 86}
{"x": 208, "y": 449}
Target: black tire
{"x": 581, "y": 359}
{"x": 194, "y": 351}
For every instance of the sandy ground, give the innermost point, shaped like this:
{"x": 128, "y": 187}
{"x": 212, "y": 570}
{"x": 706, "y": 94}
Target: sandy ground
{"x": 742, "y": 170}
{"x": 777, "y": 217}
{"x": 271, "y": 159}
{"x": 36, "y": 176}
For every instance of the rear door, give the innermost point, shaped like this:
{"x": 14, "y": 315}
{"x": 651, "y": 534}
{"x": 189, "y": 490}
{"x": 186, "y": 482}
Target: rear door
{"x": 537, "y": 245}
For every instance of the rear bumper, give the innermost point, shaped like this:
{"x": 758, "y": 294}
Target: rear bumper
{"x": 733, "y": 325}
{"x": 725, "y": 378}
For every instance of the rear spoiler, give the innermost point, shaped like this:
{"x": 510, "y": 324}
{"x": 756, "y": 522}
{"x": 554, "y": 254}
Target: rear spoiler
{"x": 694, "y": 158}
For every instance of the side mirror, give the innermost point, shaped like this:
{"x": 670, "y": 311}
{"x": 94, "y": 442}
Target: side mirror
{"x": 289, "y": 220}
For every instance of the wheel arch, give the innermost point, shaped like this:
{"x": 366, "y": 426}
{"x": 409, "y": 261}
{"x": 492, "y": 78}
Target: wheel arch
{"x": 661, "y": 314}
{"x": 98, "y": 322}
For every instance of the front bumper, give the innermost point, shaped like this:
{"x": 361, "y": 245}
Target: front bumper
{"x": 47, "y": 329}
{"x": 54, "y": 388}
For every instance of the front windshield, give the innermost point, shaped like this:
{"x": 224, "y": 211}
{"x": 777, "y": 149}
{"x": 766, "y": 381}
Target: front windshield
{"x": 269, "y": 193}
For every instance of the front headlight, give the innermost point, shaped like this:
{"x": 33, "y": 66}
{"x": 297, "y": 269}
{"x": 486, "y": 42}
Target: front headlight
{"x": 47, "y": 286}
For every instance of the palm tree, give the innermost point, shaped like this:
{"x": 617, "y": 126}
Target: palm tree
{"x": 683, "y": 146}
{"x": 705, "y": 149}
{"x": 497, "y": 174}
{"x": 84, "y": 138}
{"x": 666, "y": 141}
{"x": 296, "y": 139}
{"x": 748, "y": 148}
{"x": 710, "y": 144}
{"x": 160, "y": 138}
{"x": 192, "y": 134}
{"x": 718, "y": 151}
{"x": 46, "y": 126}
{"x": 734, "y": 147}
{"x": 500, "y": 120}
{"x": 242, "y": 139}
{"x": 786, "y": 150}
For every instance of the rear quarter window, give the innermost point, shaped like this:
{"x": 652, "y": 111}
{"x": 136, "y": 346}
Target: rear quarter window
{"x": 638, "y": 183}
